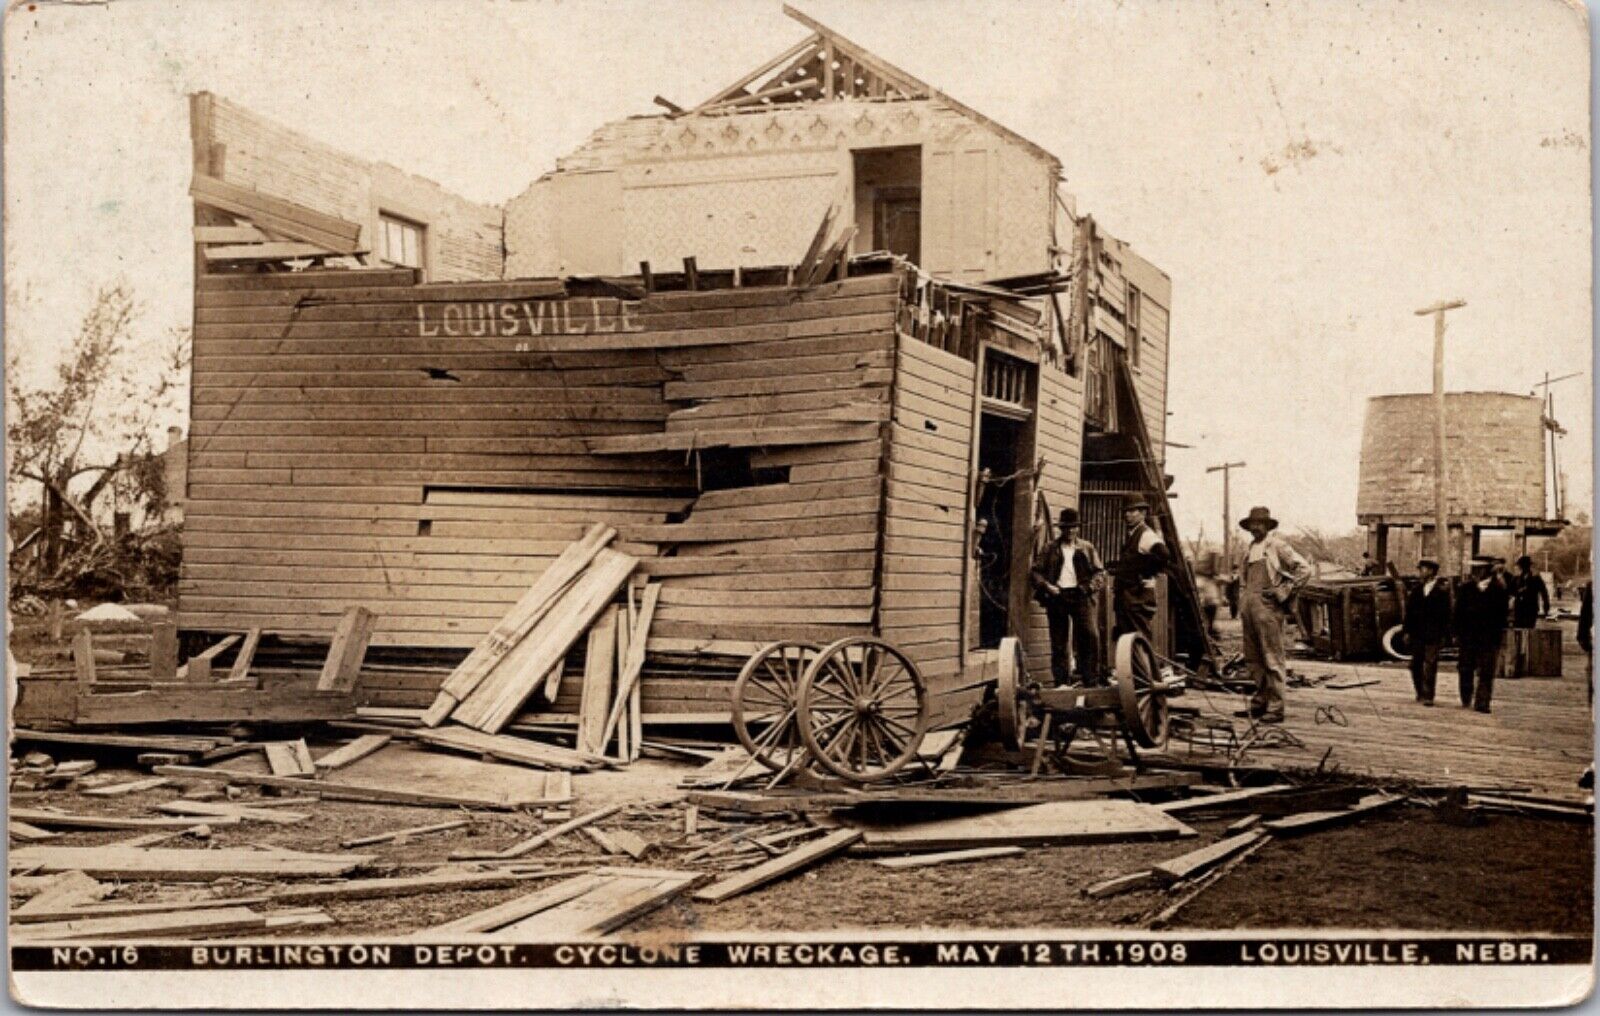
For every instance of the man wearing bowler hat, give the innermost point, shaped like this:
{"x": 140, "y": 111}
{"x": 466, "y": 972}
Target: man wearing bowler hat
{"x": 1270, "y": 573}
{"x": 1482, "y": 603}
{"x": 1064, "y": 582}
{"x": 1426, "y": 624}
{"x": 1144, "y": 556}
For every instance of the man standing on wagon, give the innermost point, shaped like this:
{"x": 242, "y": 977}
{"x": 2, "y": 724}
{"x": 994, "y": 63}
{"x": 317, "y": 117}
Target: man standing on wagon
{"x": 1064, "y": 581}
{"x": 1270, "y": 573}
{"x": 1144, "y": 556}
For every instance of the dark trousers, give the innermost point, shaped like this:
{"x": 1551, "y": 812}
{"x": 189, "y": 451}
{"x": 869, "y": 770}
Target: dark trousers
{"x": 1425, "y": 669}
{"x": 1074, "y": 637}
{"x": 1480, "y": 658}
{"x": 1135, "y": 609}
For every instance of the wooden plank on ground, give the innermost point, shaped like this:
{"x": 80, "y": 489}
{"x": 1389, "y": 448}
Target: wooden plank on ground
{"x": 285, "y": 760}
{"x": 778, "y": 867}
{"x": 212, "y": 810}
{"x": 405, "y": 834}
{"x": 131, "y": 787}
{"x": 948, "y": 857}
{"x": 347, "y": 650}
{"x": 538, "y": 840}
{"x": 360, "y": 748}
{"x": 64, "y": 820}
{"x": 342, "y": 791}
{"x": 1058, "y": 822}
{"x": 1199, "y": 861}
{"x": 28, "y": 833}
{"x": 159, "y": 742}
{"x": 496, "y": 917}
{"x": 190, "y": 923}
{"x": 623, "y": 895}
{"x": 1311, "y": 820}
{"x": 1121, "y": 884}
{"x": 506, "y": 747}
{"x": 1217, "y": 801}
{"x": 171, "y": 864}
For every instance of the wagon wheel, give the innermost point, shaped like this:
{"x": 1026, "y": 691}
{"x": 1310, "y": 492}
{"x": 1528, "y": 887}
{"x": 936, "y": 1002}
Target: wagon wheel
{"x": 863, "y": 709}
{"x": 1145, "y": 712}
{"x": 1012, "y": 708}
{"x": 764, "y": 699}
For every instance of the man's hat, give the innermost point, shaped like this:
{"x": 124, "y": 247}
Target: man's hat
{"x": 1259, "y": 514}
{"x": 1069, "y": 517}
{"x": 1484, "y": 561}
{"x": 1132, "y": 501}
{"x": 1430, "y": 562}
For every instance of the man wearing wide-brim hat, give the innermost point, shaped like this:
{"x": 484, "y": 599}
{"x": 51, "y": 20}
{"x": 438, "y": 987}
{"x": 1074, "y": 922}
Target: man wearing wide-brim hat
{"x": 1144, "y": 556}
{"x": 1270, "y": 571}
{"x": 1065, "y": 579}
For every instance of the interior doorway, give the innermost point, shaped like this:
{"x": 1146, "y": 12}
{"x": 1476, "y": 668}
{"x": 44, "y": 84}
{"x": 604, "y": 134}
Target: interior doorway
{"x": 999, "y": 441}
{"x": 888, "y": 193}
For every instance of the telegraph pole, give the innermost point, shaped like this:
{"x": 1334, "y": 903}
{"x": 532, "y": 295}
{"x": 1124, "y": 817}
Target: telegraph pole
{"x": 1441, "y": 519}
{"x": 1226, "y": 469}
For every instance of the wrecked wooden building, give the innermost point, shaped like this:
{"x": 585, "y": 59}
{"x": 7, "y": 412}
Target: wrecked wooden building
{"x": 411, "y": 403}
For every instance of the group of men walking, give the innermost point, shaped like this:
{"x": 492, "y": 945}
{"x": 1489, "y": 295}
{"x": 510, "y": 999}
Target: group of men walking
{"x": 1067, "y": 576}
{"x": 1483, "y": 604}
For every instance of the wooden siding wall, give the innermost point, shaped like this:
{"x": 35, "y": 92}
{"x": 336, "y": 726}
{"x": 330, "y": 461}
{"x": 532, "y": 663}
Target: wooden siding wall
{"x": 1058, "y": 443}
{"x": 925, "y": 519}
{"x": 344, "y": 454}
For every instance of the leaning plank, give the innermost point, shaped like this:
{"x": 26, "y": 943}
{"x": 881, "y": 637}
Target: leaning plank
{"x": 496, "y": 699}
{"x": 285, "y": 759}
{"x": 778, "y": 867}
{"x": 518, "y": 621}
{"x": 347, "y": 650}
{"x": 948, "y": 857}
{"x": 247, "y": 654}
{"x": 360, "y": 748}
{"x": 215, "y": 703}
{"x": 198, "y": 669}
{"x": 287, "y": 218}
{"x": 266, "y": 252}
{"x": 538, "y": 840}
{"x": 63, "y": 820}
{"x": 1121, "y": 884}
{"x": 28, "y": 833}
{"x": 1198, "y": 861}
{"x": 158, "y": 863}
{"x": 131, "y": 787}
{"x": 497, "y": 917}
{"x": 506, "y": 748}
{"x": 355, "y": 792}
{"x": 1310, "y": 820}
{"x": 599, "y": 668}
{"x": 405, "y": 834}
{"x": 182, "y": 923}
{"x": 1055, "y": 822}
{"x": 629, "y": 669}
{"x": 68, "y": 889}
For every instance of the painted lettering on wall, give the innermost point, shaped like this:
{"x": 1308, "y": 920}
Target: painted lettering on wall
{"x": 528, "y": 317}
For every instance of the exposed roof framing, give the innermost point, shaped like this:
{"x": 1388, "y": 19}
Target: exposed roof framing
{"x": 826, "y": 66}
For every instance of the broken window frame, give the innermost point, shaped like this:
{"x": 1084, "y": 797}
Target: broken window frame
{"x": 406, "y": 227}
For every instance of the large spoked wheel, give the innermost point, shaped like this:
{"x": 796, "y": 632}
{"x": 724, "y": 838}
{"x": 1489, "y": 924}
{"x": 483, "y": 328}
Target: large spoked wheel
{"x": 765, "y": 703}
{"x": 1012, "y": 710}
{"x": 1143, "y": 694}
{"x": 862, "y": 709}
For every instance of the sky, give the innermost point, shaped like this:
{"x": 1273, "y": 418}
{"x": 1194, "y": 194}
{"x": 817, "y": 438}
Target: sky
{"x": 1307, "y": 173}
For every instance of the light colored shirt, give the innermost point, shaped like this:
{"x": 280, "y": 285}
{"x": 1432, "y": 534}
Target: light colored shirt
{"x": 1069, "y": 574}
{"x": 1427, "y": 587}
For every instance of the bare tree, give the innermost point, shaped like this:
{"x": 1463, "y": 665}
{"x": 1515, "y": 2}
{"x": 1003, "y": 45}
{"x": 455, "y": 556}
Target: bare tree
{"x": 74, "y": 435}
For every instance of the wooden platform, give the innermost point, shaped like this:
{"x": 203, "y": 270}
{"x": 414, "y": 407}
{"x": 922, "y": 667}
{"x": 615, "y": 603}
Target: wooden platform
{"x": 1539, "y": 734}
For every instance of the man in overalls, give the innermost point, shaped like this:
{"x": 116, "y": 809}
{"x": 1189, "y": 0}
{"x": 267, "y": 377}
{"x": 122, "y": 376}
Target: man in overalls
{"x": 1144, "y": 556}
{"x": 1270, "y": 573}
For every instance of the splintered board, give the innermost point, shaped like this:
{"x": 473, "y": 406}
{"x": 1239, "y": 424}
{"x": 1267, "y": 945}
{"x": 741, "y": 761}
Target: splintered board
{"x": 1058, "y": 822}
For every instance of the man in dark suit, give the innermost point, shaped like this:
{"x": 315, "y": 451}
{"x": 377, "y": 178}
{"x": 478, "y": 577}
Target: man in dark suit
{"x": 1482, "y": 604}
{"x": 1530, "y": 597}
{"x": 1065, "y": 580}
{"x": 1144, "y": 556}
{"x": 1426, "y": 624}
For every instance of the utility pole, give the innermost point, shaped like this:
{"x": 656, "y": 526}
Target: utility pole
{"x": 1554, "y": 429}
{"x": 1441, "y": 519}
{"x": 1226, "y": 469}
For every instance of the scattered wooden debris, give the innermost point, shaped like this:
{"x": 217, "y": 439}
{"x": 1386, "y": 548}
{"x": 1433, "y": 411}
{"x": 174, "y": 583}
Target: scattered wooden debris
{"x": 538, "y": 840}
{"x": 1121, "y": 884}
{"x": 1216, "y": 802}
{"x": 1205, "y": 882}
{"x": 948, "y": 857}
{"x": 780, "y": 866}
{"x": 602, "y": 840}
{"x": 359, "y": 792}
{"x": 159, "y": 742}
{"x": 1532, "y": 807}
{"x": 185, "y": 865}
{"x": 67, "y": 889}
{"x": 236, "y": 812}
{"x": 1248, "y": 822}
{"x": 28, "y": 833}
{"x": 189, "y": 923}
{"x": 506, "y": 748}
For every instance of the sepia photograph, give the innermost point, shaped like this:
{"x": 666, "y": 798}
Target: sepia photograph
{"x": 734, "y": 504}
